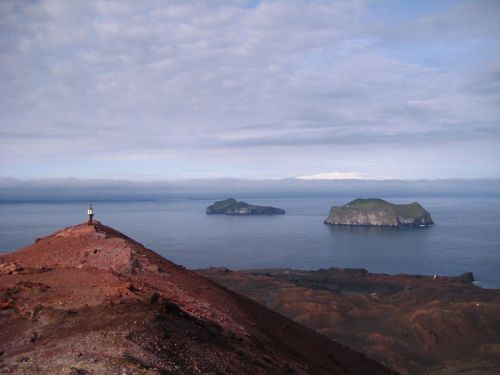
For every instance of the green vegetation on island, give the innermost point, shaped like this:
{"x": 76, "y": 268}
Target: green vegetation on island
{"x": 231, "y": 206}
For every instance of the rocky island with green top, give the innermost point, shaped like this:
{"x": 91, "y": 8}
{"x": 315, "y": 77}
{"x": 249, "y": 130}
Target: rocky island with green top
{"x": 377, "y": 212}
{"x": 233, "y": 207}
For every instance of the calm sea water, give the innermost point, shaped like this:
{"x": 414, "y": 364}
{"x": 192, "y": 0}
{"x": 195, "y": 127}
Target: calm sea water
{"x": 466, "y": 236}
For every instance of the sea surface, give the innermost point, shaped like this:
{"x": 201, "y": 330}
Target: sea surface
{"x": 466, "y": 236}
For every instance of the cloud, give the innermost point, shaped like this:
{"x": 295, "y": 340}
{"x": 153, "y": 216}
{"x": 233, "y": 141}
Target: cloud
{"x": 216, "y": 88}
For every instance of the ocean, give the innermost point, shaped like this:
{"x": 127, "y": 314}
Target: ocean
{"x": 466, "y": 236}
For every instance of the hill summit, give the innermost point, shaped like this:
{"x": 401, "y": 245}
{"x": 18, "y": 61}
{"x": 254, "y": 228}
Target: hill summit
{"x": 88, "y": 299}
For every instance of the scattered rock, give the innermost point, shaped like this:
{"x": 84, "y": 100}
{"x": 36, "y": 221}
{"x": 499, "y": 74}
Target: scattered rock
{"x": 10, "y": 268}
{"x": 78, "y": 371}
{"x": 154, "y": 298}
{"x": 466, "y": 277}
{"x": 34, "y": 337}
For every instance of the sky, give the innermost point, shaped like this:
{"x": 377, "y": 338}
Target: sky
{"x": 157, "y": 90}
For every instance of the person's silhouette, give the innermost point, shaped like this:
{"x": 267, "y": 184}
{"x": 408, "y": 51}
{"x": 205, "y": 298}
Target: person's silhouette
{"x": 90, "y": 212}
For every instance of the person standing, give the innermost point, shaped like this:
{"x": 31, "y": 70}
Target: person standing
{"x": 90, "y": 212}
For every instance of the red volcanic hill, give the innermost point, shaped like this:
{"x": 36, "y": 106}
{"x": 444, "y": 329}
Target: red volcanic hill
{"x": 88, "y": 299}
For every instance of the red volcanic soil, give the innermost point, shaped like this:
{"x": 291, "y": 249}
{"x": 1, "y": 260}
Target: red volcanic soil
{"x": 88, "y": 299}
{"x": 413, "y": 324}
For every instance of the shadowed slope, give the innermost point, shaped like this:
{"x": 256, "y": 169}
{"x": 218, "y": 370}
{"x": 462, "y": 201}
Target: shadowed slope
{"x": 409, "y": 323}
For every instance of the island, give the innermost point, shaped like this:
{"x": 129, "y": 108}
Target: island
{"x": 377, "y": 212}
{"x": 231, "y": 206}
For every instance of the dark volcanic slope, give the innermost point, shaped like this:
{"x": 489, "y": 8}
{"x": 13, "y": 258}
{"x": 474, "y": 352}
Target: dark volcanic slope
{"x": 88, "y": 299}
{"x": 409, "y": 323}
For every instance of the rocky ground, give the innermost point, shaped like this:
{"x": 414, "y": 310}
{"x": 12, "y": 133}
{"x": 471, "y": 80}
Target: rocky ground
{"x": 413, "y": 324}
{"x": 89, "y": 300}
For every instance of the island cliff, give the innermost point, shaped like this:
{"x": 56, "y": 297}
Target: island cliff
{"x": 377, "y": 212}
{"x": 231, "y": 206}
{"x": 90, "y": 300}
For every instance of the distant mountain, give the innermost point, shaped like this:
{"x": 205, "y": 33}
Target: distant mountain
{"x": 342, "y": 176}
{"x": 231, "y": 206}
{"x": 377, "y": 212}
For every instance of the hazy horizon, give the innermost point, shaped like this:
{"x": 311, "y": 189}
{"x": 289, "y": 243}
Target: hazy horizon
{"x": 92, "y": 190}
